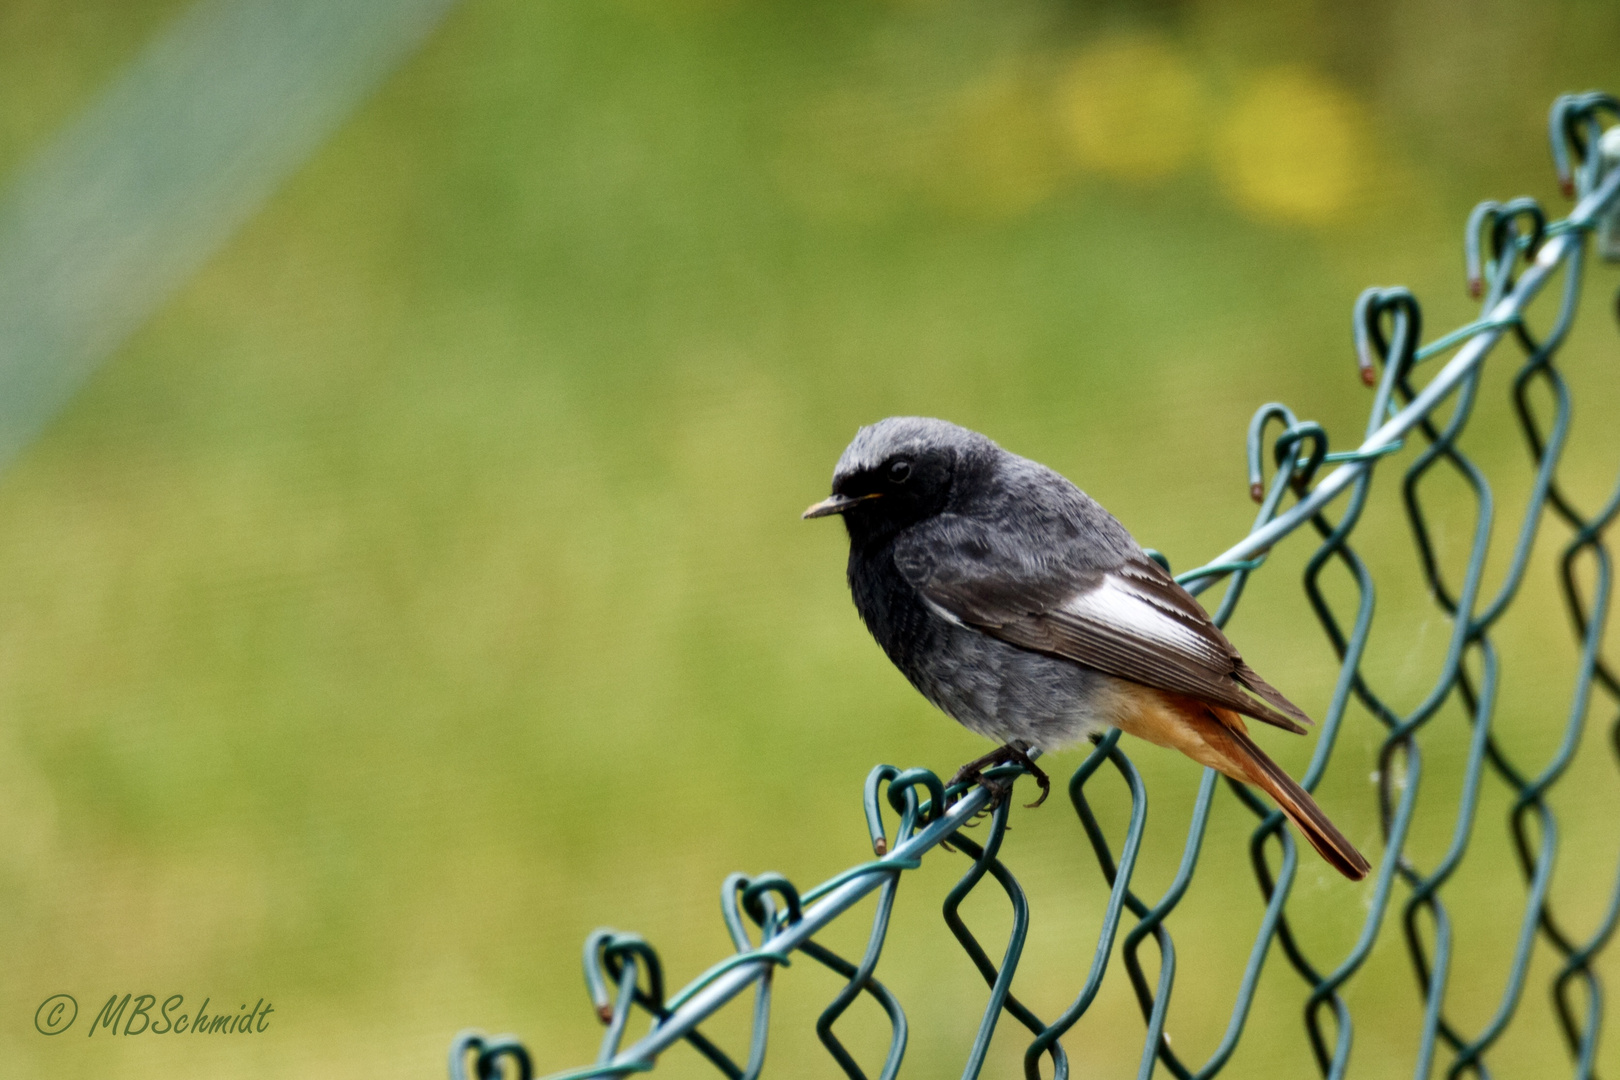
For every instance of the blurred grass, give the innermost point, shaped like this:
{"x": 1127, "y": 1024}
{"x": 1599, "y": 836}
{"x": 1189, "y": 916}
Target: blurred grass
{"x": 425, "y": 586}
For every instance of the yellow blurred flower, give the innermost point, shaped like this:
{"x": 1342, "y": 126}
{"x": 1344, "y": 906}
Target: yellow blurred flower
{"x": 1293, "y": 148}
{"x": 1130, "y": 108}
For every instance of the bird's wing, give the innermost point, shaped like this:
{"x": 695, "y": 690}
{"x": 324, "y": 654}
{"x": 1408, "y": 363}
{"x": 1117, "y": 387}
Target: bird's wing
{"x": 1131, "y": 619}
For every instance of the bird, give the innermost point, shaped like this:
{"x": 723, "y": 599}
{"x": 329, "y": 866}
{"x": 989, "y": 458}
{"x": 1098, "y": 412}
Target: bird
{"x": 1024, "y": 610}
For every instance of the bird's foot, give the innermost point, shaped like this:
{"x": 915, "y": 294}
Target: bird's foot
{"x": 1010, "y": 754}
{"x": 998, "y": 791}
{"x": 1037, "y": 774}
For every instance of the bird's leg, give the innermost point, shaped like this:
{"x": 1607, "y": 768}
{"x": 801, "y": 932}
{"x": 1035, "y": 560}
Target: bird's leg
{"x": 1016, "y": 752}
{"x": 1036, "y": 773}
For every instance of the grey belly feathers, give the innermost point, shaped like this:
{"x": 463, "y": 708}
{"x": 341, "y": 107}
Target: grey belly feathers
{"x": 1009, "y": 694}
{"x": 998, "y": 690}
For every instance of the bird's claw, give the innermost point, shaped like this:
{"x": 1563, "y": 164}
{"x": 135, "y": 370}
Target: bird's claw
{"x": 1012, "y": 753}
{"x": 970, "y": 774}
{"x": 1042, "y": 781}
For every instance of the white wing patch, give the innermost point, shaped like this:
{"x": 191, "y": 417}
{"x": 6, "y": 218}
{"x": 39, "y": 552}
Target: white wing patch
{"x": 1114, "y": 603}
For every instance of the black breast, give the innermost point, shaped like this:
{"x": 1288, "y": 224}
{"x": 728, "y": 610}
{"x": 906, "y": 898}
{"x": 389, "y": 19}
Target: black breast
{"x": 892, "y": 609}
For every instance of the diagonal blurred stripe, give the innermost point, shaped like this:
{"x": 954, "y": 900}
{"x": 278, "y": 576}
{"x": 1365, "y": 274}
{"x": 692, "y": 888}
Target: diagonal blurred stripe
{"x": 134, "y": 196}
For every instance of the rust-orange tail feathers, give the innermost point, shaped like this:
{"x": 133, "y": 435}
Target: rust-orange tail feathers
{"x": 1218, "y": 737}
{"x": 1290, "y": 798}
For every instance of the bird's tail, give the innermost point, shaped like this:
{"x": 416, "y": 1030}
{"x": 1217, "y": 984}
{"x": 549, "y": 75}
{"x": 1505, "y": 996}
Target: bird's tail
{"x": 1292, "y": 799}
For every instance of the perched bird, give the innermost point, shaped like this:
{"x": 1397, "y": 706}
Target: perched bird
{"x": 1026, "y": 611}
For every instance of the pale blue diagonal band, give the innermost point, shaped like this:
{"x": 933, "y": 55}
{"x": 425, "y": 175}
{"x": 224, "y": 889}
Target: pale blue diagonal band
{"x": 129, "y": 201}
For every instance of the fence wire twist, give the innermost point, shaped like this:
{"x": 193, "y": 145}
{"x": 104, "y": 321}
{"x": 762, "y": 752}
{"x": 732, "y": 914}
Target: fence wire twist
{"x": 1512, "y": 252}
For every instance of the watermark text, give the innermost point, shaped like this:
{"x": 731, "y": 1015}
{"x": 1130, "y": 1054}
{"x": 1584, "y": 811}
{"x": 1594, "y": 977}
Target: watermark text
{"x": 144, "y": 1014}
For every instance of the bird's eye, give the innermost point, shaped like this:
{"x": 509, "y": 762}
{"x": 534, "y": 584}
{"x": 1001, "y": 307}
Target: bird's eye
{"x": 899, "y": 471}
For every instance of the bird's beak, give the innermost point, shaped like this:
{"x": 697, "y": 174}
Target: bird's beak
{"x": 837, "y": 504}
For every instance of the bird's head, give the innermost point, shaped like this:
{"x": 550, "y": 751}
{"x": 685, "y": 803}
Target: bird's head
{"x": 900, "y": 471}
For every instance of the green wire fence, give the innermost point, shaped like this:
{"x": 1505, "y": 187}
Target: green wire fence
{"x": 1512, "y": 253}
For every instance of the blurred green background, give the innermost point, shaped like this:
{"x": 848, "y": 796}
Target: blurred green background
{"x": 425, "y": 587}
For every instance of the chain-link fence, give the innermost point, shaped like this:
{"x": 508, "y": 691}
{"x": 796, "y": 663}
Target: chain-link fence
{"x": 1512, "y": 253}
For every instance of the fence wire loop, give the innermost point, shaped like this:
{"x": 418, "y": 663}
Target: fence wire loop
{"x": 609, "y": 955}
{"x": 1376, "y": 345}
{"x": 1510, "y": 240}
{"x": 902, "y": 798}
{"x": 1574, "y": 128}
{"x": 1511, "y": 253}
{"x": 490, "y": 1058}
